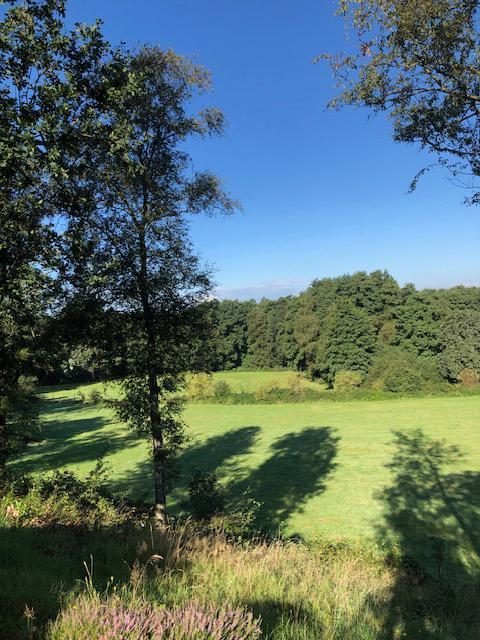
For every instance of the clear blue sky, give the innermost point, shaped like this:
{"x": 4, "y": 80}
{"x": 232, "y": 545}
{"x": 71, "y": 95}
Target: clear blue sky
{"x": 323, "y": 193}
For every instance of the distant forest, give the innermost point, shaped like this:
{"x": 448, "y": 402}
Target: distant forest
{"x": 353, "y": 330}
{"x": 391, "y": 336}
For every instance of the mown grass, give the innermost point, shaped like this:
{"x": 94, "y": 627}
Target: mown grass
{"x": 318, "y": 468}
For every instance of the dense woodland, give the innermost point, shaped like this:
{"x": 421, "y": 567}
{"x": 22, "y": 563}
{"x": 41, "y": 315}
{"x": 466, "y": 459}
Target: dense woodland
{"x": 386, "y": 336}
{"x": 359, "y": 322}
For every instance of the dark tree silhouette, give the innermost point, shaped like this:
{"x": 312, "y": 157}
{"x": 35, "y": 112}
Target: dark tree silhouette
{"x": 432, "y": 518}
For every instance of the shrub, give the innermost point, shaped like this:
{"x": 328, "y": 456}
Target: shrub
{"x": 95, "y": 397}
{"x": 15, "y": 484}
{"x": 92, "y": 397}
{"x": 239, "y": 520}
{"x": 398, "y": 380}
{"x": 297, "y": 384}
{"x": 62, "y": 498}
{"x": 90, "y": 618}
{"x": 222, "y": 390}
{"x": 398, "y": 371}
{"x": 270, "y": 391}
{"x": 206, "y": 496}
{"x": 200, "y": 387}
{"x": 468, "y": 378}
{"x": 347, "y": 380}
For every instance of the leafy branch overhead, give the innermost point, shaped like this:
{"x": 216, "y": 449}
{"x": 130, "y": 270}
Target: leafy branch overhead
{"x": 418, "y": 60}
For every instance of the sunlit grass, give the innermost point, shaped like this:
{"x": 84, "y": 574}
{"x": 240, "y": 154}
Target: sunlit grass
{"x": 334, "y": 496}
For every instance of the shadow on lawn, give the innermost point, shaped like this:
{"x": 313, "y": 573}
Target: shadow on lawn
{"x": 71, "y": 441}
{"x": 432, "y": 519}
{"x": 217, "y": 453}
{"x": 39, "y": 565}
{"x": 296, "y": 470}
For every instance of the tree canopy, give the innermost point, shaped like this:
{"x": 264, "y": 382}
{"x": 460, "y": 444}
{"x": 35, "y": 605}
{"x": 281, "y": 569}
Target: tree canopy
{"x": 418, "y": 60}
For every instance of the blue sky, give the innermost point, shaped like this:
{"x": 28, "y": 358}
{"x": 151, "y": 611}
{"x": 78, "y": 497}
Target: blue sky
{"x": 323, "y": 193}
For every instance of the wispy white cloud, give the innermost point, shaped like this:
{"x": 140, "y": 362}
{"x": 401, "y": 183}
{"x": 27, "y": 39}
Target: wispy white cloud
{"x": 270, "y": 289}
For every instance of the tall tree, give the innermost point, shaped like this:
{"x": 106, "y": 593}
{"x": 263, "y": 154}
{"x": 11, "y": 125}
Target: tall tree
{"x": 143, "y": 262}
{"x": 418, "y": 60}
{"x": 348, "y": 341}
{"x": 48, "y": 109}
{"x": 232, "y": 337}
{"x": 460, "y": 344}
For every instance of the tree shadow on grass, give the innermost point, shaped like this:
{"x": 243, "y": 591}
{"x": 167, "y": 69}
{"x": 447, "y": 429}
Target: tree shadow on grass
{"x": 39, "y": 565}
{"x": 70, "y": 441}
{"x": 432, "y": 524}
{"x": 217, "y": 453}
{"x": 296, "y": 471}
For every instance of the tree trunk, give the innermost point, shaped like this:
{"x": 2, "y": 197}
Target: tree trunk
{"x": 160, "y": 508}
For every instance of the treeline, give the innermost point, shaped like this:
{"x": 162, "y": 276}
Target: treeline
{"x": 361, "y": 329}
{"x": 356, "y": 329}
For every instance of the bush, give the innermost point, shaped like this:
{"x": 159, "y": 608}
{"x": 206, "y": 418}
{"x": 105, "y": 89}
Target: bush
{"x": 206, "y": 496}
{"x": 92, "y": 397}
{"x": 90, "y": 618}
{"x": 297, "y": 384}
{"x": 399, "y": 380}
{"x": 398, "y": 371}
{"x": 240, "y": 519}
{"x": 200, "y": 387}
{"x": 468, "y": 378}
{"x": 347, "y": 380}
{"x": 269, "y": 392}
{"x": 62, "y": 498}
{"x": 222, "y": 390}
{"x": 95, "y": 397}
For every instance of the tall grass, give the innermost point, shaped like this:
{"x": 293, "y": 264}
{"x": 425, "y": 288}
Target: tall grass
{"x": 296, "y": 591}
{"x": 281, "y": 590}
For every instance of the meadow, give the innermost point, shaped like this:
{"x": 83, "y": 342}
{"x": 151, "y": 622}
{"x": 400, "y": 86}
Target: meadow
{"x": 385, "y": 496}
{"x": 319, "y": 470}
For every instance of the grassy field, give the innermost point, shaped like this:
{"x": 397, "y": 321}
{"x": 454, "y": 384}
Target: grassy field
{"x": 403, "y": 473}
{"x": 250, "y": 381}
{"x": 320, "y": 469}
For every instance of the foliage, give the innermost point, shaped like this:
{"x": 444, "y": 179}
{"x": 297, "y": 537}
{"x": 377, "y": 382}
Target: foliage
{"x": 221, "y": 390}
{"x": 49, "y": 105}
{"x": 133, "y": 408}
{"x": 141, "y": 258}
{"x": 468, "y": 378}
{"x": 292, "y": 332}
{"x": 85, "y": 358}
{"x": 62, "y": 499}
{"x": 396, "y": 370}
{"x": 348, "y": 342}
{"x": 346, "y": 380}
{"x": 262, "y": 326}
{"x": 418, "y": 61}
{"x": 231, "y": 333}
{"x": 269, "y": 391}
{"x": 200, "y": 387}
{"x": 460, "y": 343}
{"x": 206, "y": 496}
{"x": 417, "y": 322}
{"x": 20, "y": 424}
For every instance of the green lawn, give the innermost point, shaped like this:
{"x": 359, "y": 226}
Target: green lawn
{"x": 319, "y": 468}
{"x": 250, "y": 381}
